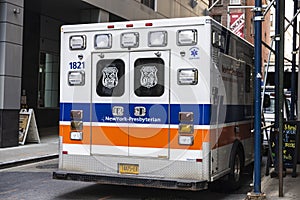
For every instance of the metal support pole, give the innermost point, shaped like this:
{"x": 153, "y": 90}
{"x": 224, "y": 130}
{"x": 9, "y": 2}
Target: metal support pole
{"x": 293, "y": 78}
{"x": 298, "y": 99}
{"x": 279, "y": 70}
{"x": 276, "y": 126}
{"x": 257, "y": 112}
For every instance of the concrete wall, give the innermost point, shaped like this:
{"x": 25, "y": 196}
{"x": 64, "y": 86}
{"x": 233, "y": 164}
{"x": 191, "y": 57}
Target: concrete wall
{"x": 42, "y": 20}
{"x": 11, "y": 41}
{"x": 180, "y": 8}
{"x": 164, "y": 8}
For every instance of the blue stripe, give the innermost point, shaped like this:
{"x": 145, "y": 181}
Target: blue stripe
{"x": 204, "y": 114}
{"x": 155, "y": 113}
{"x": 201, "y": 113}
{"x": 65, "y": 111}
{"x": 231, "y": 113}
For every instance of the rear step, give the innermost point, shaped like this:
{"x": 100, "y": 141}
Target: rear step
{"x": 129, "y": 180}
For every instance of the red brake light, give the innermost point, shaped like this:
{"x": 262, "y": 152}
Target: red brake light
{"x": 110, "y": 26}
{"x": 148, "y": 24}
{"x": 129, "y": 25}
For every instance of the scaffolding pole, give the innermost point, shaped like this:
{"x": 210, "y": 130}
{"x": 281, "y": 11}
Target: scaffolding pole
{"x": 279, "y": 71}
{"x": 257, "y": 112}
{"x": 258, "y": 17}
{"x": 293, "y": 78}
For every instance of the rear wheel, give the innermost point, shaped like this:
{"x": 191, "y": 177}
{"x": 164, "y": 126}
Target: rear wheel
{"x": 232, "y": 181}
{"x": 236, "y": 169}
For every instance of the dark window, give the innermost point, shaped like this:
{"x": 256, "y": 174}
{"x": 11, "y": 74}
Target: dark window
{"x": 219, "y": 3}
{"x": 149, "y": 3}
{"x": 110, "y": 78}
{"x": 271, "y": 108}
{"x": 248, "y": 79}
{"x": 149, "y": 77}
{"x": 48, "y": 94}
{"x": 115, "y": 18}
{"x": 218, "y": 18}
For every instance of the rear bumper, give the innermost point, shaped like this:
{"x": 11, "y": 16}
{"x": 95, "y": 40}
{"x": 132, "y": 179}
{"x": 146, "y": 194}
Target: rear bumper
{"x": 132, "y": 180}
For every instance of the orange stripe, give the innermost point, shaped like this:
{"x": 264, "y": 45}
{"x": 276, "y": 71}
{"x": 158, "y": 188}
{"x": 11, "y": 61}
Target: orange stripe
{"x": 158, "y": 138}
{"x": 200, "y": 136}
{"x": 148, "y": 137}
{"x": 64, "y": 131}
{"x": 138, "y": 137}
{"x": 228, "y": 135}
{"x": 154, "y": 137}
{"x": 111, "y": 136}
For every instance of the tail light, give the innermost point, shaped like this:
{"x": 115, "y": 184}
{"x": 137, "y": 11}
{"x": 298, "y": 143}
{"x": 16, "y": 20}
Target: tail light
{"x": 186, "y": 128}
{"x": 76, "y": 125}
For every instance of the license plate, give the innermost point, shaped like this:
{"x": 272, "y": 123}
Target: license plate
{"x": 128, "y": 168}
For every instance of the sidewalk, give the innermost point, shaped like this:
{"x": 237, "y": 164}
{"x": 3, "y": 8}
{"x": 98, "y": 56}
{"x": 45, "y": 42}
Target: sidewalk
{"x": 291, "y": 186}
{"x": 31, "y": 152}
{"x": 48, "y": 148}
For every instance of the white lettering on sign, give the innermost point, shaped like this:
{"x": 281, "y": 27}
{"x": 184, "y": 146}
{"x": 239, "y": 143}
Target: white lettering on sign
{"x": 133, "y": 119}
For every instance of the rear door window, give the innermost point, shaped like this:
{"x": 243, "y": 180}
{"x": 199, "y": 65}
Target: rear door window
{"x": 110, "y": 78}
{"x": 149, "y": 76}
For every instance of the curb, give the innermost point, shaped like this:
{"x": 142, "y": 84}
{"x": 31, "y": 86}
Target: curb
{"x": 25, "y": 161}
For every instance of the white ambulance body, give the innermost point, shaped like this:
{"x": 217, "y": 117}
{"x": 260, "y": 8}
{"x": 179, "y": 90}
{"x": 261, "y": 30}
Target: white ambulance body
{"x": 157, "y": 103}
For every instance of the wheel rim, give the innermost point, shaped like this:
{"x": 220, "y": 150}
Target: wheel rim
{"x": 237, "y": 168}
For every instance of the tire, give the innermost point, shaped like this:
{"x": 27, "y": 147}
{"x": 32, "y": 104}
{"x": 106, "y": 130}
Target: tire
{"x": 236, "y": 168}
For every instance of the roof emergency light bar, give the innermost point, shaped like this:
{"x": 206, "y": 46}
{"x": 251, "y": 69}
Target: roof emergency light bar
{"x": 185, "y": 37}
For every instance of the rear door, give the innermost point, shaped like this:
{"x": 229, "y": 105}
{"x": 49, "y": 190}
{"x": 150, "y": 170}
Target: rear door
{"x": 149, "y": 104}
{"x": 110, "y": 103}
{"x": 130, "y": 103}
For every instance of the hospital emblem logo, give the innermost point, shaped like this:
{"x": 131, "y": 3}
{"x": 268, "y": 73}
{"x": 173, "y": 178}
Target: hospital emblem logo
{"x": 194, "y": 53}
{"x": 148, "y": 76}
{"x": 110, "y": 77}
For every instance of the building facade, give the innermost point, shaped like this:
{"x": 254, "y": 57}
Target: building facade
{"x": 237, "y": 15}
{"x": 30, "y": 49}
{"x": 288, "y": 45}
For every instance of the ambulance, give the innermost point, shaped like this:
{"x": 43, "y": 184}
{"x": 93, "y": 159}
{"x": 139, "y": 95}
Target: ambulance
{"x": 164, "y": 103}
